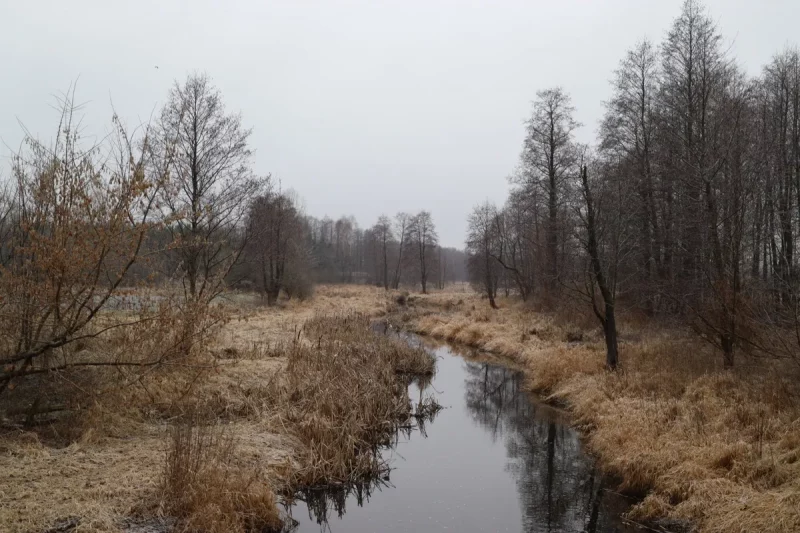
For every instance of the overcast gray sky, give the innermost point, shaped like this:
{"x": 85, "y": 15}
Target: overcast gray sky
{"x": 363, "y": 107}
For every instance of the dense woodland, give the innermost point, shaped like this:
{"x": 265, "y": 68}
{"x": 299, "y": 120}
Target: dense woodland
{"x": 687, "y": 206}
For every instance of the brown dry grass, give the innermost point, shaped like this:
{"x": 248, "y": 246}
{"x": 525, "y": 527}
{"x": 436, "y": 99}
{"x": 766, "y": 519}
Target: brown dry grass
{"x": 715, "y": 448}
{"x": 208, "y": 487}
{"x": 344, "y": 394}
{"x": 103, "y": 458}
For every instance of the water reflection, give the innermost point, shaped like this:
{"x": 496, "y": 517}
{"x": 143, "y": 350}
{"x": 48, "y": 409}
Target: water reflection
{"x": 557, "y": 484}
{"x": 322, "y": 503}
{"x": 493, "y": 460}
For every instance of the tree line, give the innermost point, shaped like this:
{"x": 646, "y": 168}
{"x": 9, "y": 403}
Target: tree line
{"x": 173, "y": 207}
{"x": 393, "y": 252}
{"x": 294, "y": 251}
{"x": 687, "y": 206}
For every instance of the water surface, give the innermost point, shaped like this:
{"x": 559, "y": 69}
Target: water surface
{"x": 492, "y": 460}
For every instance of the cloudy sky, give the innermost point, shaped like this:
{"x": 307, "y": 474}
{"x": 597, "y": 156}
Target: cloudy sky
{"x": 363, "y": 107}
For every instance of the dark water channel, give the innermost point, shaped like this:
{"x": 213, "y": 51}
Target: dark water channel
{"x": 493, "y": 460}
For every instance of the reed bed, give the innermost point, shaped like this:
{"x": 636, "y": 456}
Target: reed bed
{"x": 208, "y": 487}
{"x": 343, "y": 396}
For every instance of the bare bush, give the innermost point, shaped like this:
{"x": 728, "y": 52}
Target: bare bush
{"x": 75, "y": 221}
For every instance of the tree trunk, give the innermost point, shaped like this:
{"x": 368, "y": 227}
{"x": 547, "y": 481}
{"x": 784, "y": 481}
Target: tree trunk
{"x": 610, "y": 333}
{"x": 385, "y": 266}
{"x": 492, "y": 303}
{"x": 399, "y": 263}
{"x": 272, "y": 295}
{"x": 490, "y": 288}
{"x": 607, "y": 318}
{"x": 726, "y": 341}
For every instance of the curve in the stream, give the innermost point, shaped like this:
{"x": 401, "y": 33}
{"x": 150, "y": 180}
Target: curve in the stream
{"x": 493, "y": 460}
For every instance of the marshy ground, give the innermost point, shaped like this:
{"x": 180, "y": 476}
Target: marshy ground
{"x": 285, "y": 396}
{"x": 305, "y": 394}
{"x": 712, "y": 449}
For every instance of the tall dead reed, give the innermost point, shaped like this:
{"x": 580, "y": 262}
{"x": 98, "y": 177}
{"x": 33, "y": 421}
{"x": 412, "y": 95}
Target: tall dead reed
{"x": 207, "y": 487}
{"x": 345, "y": 393}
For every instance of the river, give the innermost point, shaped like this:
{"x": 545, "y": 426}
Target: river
{"x": 494, "y": 459}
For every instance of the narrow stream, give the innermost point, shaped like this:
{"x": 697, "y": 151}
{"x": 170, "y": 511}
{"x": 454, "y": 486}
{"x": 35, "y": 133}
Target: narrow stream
{"x": 492, "y": 460}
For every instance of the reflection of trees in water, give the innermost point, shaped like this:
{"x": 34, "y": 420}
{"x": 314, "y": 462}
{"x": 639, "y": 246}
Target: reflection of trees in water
{"x": 557, "y": 485}
{"x": 323, "y": 501}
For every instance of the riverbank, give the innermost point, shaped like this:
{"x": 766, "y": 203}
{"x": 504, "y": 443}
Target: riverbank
{"x": 120, "y": 454}
{"x": 713, "y": 449}
{"x": 494, "y": 459}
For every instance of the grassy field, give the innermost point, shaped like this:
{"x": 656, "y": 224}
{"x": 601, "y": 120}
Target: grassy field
{"x": 107, "y": 460}
{"x": 703, "y": 446}
{"x": 716, "y": 449}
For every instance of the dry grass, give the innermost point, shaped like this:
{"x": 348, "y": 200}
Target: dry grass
{"x": 102, "y": 458}
{"x": 100, "y": 482}
{"x": 344, "y": 394}
{"x": 207, "y": 486}
{"x": 716, "y": 448}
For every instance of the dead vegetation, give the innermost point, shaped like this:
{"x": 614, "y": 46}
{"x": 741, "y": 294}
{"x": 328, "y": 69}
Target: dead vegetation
{"x": 716, "y": 448}
{"x": 208, "y": 489}
{"x": 278, "y": 398}
{"x": 306, "y": 393}
{"x": 344, "y": 393}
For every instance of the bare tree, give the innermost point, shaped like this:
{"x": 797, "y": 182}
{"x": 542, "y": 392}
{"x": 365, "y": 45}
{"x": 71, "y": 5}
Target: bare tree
{"x": 422, "y": 241}
{"x": 548, "y": 156}
{"x": 402, "y": 223}
{"x": 204, "y": 148}
{"x": 277, "y": 244}
{"x": 604, "y": 226}
{"x": 382, "y": 231}
{"x": 483, "y": 249}
{"x": 627, "y": 134}
{"x": 517, "y": 236}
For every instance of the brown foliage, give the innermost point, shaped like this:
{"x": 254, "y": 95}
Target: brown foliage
{"x": 74, "y": 223}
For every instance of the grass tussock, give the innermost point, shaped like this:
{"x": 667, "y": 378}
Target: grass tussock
{"x": 714, "y": 448}
{"x": 344, "y": 393}
{"x": 207, "y": 487}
